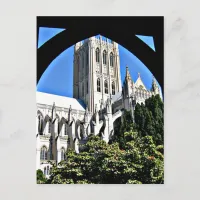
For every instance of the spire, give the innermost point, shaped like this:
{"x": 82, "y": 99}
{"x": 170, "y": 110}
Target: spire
{"x": 128, "y": 76}
{"x": 53, "y": 111}
{"x": 154, "y": 87}
{"x": 86, "y": 116}
{"x": 100, "y": 37}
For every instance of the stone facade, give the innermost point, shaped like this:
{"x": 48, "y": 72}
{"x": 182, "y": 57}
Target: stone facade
{"x": 99, "y": 99}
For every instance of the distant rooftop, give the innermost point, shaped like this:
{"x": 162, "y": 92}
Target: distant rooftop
{"x": 60, "y": 101}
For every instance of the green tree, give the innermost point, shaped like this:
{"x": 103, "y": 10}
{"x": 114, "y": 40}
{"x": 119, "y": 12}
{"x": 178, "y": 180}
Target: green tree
{"x": 149, "y": 119}
{"x": 101, "y": 163}
{"x": 40, "y": 177}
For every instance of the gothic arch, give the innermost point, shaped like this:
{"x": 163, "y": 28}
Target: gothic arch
{"x": 111, "y": 59}
{"x": 97, "y": 55}
{"x": 40, "y": 113}
{"x": 105, "y": 54}
{"x": 40, "y": 122}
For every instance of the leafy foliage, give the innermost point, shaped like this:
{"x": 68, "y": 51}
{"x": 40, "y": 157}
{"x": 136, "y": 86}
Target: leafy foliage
{"x": 101, "y": 163}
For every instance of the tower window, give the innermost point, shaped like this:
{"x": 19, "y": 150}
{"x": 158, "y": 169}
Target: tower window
{"x": 106, "y": 87}
{"x": 98, "y": 85}
{"x": 104, "y": 57}
{"x": 113, "y": 88}
{"x": 83, "y": 90}
{"x": 43, "y": 153}
{"x": 87, "y": 88}
{"x": 111, "y": 59}
{"x": 62, "y": 154}
{"x": 97, "y": 55}
{"x": 45, "y": 171}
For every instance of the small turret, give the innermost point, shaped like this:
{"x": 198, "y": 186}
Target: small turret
{"x": 77, "y": 46}
{"x": 155, "y": 87}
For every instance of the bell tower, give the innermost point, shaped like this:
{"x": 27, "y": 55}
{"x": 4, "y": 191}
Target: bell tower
{"x": 96, "y": 71}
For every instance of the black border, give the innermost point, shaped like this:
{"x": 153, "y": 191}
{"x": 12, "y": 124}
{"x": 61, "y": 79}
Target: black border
{"x": 119, "y": 29}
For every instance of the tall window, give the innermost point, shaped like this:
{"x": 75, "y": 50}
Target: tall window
{"x": 45, "y": 171}
{"x": 65, "y": 127}
{"x": 111, "y": 59}
{"x": 49, "y": 126}
{"x": 83, "y": 90}
{"x": 62, "y": 154}
{"x": 104, "y": 57}
{"x": 98, "y": 85}
{"x": 43, "y": 153}
{"x": 106, "y": 87}
{"x": 87, "y": 88}
{"x": 113, "y": 88}
{"x": 97, "y": 55}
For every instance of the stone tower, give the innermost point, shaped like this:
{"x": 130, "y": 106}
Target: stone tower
{"x": 96, "y": 71}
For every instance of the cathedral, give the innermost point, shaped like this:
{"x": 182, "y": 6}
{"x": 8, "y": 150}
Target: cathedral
{"x": 99, "y": 99}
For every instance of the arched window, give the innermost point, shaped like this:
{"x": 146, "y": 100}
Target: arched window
{"x": 43, "y": 153}
{"x": 106, "y": 87}
{"x": 104, "y": 57}
{"x": 97, "y": 55}
{"x": 113, "y": 88}
{"x": 98, "y": 85}
{"x": 49, "y": 123}
{"x": 111, "y": 59}
{"x": 45, "y": 171}
{"x": 62, "y": 154}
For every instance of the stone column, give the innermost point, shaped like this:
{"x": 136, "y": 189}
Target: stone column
{"x": 37, "y": 125}
{"x": 58, "y": 155}
{"x": 76, "y": 145}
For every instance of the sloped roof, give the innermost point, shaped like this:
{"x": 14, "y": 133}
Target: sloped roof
{"x": 117, "y": 96}
{"x": 139, "y": 83}
{"x": 60, "y": 101}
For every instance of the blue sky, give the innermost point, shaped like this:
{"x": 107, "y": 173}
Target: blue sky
{"x": 58, "y": 77}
